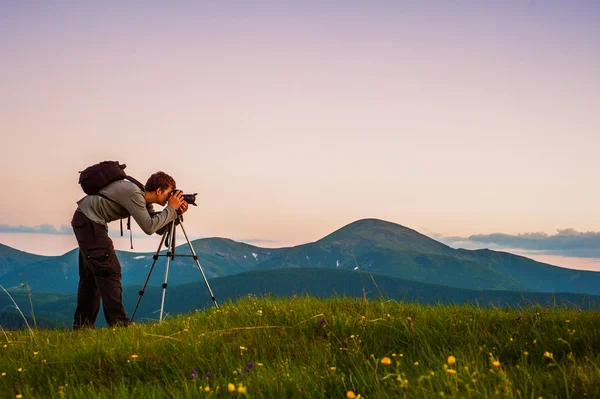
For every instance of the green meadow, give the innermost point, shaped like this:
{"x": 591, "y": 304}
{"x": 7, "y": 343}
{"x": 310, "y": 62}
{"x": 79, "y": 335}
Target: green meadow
{"x": 298, "y": 347}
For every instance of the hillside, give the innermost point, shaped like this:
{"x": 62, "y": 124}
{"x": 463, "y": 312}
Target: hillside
{"x": 318, "y": 282}
{"x": 12, "y": 259}
{"x": 317, "y": 348}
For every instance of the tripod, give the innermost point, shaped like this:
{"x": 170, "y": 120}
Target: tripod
{"x": 168, "y": 237}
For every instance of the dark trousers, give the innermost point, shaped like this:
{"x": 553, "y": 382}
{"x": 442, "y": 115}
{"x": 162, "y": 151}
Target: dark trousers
{"x": 99, "y": 275}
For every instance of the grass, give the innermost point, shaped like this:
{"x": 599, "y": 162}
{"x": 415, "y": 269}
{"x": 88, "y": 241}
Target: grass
{"x": 310, "y": 347}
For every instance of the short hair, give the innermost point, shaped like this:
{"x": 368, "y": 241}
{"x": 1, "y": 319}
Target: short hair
{"x": 160, "y": 180}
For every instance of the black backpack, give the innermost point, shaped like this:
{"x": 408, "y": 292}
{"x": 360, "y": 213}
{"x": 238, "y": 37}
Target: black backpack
{"x": 93, "y": 178}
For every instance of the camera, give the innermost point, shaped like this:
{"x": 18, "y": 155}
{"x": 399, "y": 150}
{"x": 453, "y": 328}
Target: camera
{"x": 189, "y": 198}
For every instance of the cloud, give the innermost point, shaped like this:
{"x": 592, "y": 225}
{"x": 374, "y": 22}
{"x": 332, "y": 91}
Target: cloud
{"x": 566, "y": 242}
{"x": 40, "y": 229}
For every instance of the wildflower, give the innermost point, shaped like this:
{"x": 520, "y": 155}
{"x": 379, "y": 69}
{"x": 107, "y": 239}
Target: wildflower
{"x": 350, "y": 395}
{"x": 567, "y": 321}
{"x": 243, "y": 348}
{"x": 3, "y": 374}
{"x": 206, "y": 375}
{"x": 194, "y": 374}
{"x": 19, "y": 396}
{"x": 386, "y": 361}
{"x": 451, "y": 371}
{"x": 548, "y": 355}
{"x": 19, "y": 369}
{"x": 416, "y": 363}
{"x": 241, "y": 389}
{"x": 35, "y": 353}
{"x": 259, "y": 364}
{"x": 207, "y": 389}
{"x": 496, "y": 363}
{"x": 44, "y": 361}
{"x": 526, "y": 353}
{"x": 249, "y": 367}
{"x": 332, "y": 368}
{"x": 323, "y": 321}
{"x": 230, "y": 387}
{"x": 451, "y": 360}
{"x": 134, "y": 356}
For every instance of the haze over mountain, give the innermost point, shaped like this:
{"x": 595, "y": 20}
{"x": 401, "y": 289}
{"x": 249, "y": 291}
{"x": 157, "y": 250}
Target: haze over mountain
{"x": 368, "y": 245}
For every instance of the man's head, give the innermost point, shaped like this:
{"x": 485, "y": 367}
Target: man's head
{"x": 159, "y": 187}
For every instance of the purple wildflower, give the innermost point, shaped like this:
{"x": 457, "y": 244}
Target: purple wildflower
{"x": 194, "y": 374}
{"x": 207, "y": 375}
{"x": 323, "y": 321}
{"x": 249, "y": 367}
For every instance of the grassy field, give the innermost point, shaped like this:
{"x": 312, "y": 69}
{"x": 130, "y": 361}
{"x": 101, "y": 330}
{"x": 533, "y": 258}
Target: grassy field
{"x": 310, "y": 347}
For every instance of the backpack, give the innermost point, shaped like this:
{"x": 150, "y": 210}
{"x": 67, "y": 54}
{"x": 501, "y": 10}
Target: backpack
{"x": 94, "y": 178}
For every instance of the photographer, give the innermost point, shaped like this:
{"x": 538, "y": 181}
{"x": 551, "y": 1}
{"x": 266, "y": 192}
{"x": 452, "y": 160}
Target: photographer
{"x": 99, "y": 268}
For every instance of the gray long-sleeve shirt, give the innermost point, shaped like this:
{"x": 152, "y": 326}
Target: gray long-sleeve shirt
{"x": 130, "y": 201}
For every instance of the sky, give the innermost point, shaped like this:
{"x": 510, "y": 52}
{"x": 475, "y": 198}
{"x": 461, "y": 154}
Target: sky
{"x": 473, "y": 122}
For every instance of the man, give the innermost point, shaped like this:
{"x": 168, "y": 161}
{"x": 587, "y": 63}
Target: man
{"x": 99, "y": 268}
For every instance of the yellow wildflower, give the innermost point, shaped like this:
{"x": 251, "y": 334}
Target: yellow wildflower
{"x": 451, "y": 371}
{"x": 19, "y": 396}
{"x": 230, "y": 387}
{"x": 548, "y": 355}
{"x": 243, "y": 348}
{"x": 207, "y": 389}
{"x": 332, "y": 368}
{"x": 350, "y": 395}
{"x": 35, "y": 353}
{"x": 19, "y": 369}
{"x": 526, "y": 353}
{"x": 3, "y": 374}
{"x": 241, "y": 389}
{"x": 416, "y": 363}
{"x": 386, "y": 361}
{"x": 451, "y": 360}
{"x": 496, "y": 363}
{"x": 134, "y": 356}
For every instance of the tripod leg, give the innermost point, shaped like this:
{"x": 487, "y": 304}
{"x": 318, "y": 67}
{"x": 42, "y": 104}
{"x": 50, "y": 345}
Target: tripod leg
{"x": 169, "y": 254}
{"x": 149, "y": 273}
{"x": 198, "y": 264}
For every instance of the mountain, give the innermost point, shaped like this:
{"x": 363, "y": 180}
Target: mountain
{"x": 57, "y": 310}
{"x": 534, "y": 275}
{"x": 368, "y": 245}
{"x": 381, "y": 247}
{"x": 12, "y": 259}
{"x": 218, "y": 257}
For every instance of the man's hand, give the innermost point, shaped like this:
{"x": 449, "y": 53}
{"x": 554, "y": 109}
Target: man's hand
{"x": 176, "y": 200}
{"x": 183, "y": 208}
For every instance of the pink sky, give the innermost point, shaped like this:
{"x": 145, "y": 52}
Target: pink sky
{"x": 291, "y": 121}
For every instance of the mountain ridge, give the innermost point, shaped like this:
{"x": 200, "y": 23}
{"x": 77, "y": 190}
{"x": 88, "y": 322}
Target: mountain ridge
{"x": 369, "y": 245}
